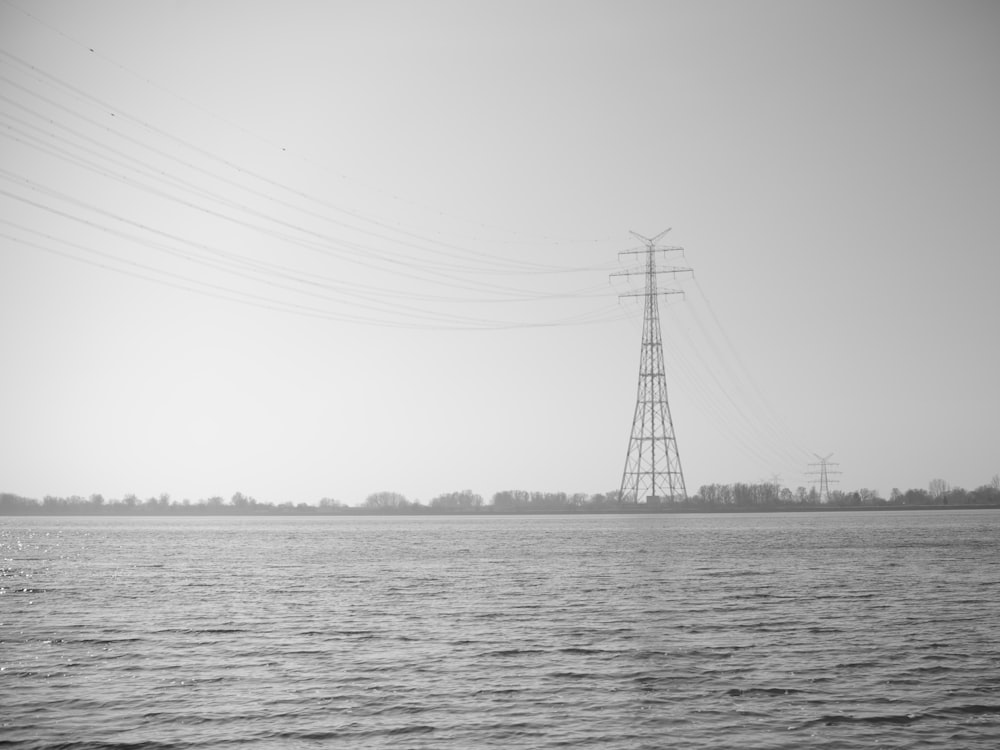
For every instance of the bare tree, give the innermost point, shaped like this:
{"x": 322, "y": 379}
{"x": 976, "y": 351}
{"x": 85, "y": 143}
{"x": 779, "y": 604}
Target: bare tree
{"x": 464, "y": 500}
{"x": 937, "y": 488}
{"x": 386, "y": 501}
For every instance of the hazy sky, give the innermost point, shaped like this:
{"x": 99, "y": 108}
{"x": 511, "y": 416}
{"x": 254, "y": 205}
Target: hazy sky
{"x": 307, "y": 249}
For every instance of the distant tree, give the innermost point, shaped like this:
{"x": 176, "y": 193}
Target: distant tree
{"x": 511, "y": 499}
{"x": 713, "y": 496}
{"x": 604, "y": 499}
{"x": 760, "y": 494}
{"x": 462, "y": 500}
{"x": 916, "y": 497}
{"x": 716, "y": 494}
{"x": 386, "y": 501}
{"x": 743, "y": 494}
{"x": 213, "y": 503}
{"x": 14, "y": 504}
{"x": 937, "y": 488}
{"x": 870, "y": 497}
{"x": 838, "y": 497}
{"x": 955, "y": 496}
{"x": 988, "y": 494}
{"x": 548, "y": 500}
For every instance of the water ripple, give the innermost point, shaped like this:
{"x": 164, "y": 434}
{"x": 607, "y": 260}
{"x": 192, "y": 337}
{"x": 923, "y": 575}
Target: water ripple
{"x": 832, "y": 631}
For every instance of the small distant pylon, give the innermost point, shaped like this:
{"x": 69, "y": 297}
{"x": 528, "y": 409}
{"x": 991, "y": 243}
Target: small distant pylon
{"x": 822, "y": 474}
{"x": 653, "y": 464}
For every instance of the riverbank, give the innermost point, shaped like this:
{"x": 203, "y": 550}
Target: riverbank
{"x": 311, "y": 510}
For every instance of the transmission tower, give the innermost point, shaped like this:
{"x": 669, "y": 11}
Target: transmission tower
{"x": 652, "y": 464}
{"x": 822, "y": 474}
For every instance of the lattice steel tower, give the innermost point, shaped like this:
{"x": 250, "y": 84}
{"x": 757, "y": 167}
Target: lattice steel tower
{"x": 823, "y": 472}
{"x": 652, "y": 465}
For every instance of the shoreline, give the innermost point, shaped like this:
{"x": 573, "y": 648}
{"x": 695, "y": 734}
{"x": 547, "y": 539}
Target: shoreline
{"x": 641, "y": 511}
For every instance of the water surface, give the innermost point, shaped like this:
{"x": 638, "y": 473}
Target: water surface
{"x": 840, "y": 630}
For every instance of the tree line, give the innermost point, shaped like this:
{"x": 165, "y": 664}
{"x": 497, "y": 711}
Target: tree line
{"x": 709, "y": 498}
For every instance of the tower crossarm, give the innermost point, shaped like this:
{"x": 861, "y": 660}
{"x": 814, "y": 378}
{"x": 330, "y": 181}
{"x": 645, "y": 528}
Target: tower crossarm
{"x": 651, "y": 290}
{"x": 644, "y": 272}
{"x": 658, "y": 292}
{"x": 652, "y": 249}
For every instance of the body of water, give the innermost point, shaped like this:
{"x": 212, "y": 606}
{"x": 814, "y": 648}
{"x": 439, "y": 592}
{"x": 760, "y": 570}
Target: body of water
{"x": 819, "y": 630}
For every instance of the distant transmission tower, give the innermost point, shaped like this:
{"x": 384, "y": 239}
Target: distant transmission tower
{"x": 652, "y": 465}
{"x": 822, "y": 474}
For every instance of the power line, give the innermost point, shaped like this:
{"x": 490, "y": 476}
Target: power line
{"x": 441, "y": 270}
{"x": 283, "y": 148}
{"x": 382, "y": 230}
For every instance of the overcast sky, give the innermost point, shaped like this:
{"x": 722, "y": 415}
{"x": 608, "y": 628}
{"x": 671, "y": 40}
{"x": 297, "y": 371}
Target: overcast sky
{"x": 306, "y": 250}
